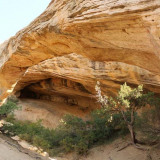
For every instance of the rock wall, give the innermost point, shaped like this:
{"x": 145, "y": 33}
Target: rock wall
{"x": 72, "y": 44}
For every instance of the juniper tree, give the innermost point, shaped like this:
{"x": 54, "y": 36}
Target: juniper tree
{"x": 127, "y": 101}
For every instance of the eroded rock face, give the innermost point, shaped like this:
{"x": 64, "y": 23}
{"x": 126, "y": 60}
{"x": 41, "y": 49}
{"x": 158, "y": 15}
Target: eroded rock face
{"x": 77, "y": 75}
{"x": 61, "y": 91}
{"x": 114, "y": 41}
{"x": 70, "y": 81}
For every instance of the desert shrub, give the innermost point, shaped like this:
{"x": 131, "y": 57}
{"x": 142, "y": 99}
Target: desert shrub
{"x": 148, "y": 124}
{"x": 9, "y": 107}
{"x": 112, "y": 120}
{"x": 106, "y": 124}
{"x": 73, "y": 134}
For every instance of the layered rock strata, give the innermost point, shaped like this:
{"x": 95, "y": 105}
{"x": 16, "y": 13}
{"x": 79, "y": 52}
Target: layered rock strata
{"x": 116, "y": 35}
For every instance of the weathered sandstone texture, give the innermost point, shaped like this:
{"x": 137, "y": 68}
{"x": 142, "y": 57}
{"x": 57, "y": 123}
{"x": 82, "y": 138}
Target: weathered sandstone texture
{"x": 73, "y": 43}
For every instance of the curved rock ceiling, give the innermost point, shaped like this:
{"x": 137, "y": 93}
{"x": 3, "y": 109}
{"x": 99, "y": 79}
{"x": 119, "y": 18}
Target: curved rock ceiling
{"x": 82, "y": 41}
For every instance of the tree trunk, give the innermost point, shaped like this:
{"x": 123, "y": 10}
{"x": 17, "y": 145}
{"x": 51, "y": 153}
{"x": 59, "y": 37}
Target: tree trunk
{"x": 130, "y": 125}
{"x": 131, "y": 130}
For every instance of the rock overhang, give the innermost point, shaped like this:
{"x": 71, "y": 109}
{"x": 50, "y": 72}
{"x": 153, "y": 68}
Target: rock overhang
{"x": 125, "y": 33}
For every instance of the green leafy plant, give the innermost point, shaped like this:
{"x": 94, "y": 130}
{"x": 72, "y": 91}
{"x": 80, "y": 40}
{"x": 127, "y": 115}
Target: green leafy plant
{"x": 9, "y": 107}
{"x": 73, "y": 134}
{"x": 127, "y": 102}
{"x": 148, "y": 124}
{"x": 116, "y": 117}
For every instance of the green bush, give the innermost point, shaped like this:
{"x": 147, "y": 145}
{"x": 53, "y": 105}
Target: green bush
{"x": 106, "y": 124}
{"x": 148, "y": 124}
{"x": 9, "y": 107}
{"x": 73, "y": 134}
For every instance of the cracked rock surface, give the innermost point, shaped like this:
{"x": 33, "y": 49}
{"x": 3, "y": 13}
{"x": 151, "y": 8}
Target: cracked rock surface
{"x": 82, "y": 41}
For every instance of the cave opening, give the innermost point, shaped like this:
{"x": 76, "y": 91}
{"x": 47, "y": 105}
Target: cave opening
{"x": 59, "y": 91}
{"x": 29, "y": 94}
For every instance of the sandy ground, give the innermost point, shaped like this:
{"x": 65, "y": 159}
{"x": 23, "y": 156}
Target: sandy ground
{"x": 34, "y": 110}
{"x": 118, "y": 150}
{"x": 9, "y": 150}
